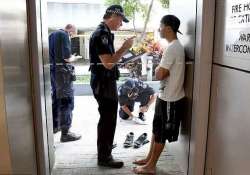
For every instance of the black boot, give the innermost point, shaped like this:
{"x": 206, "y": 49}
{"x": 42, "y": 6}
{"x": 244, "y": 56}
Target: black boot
{"x": 110, "y": 162}
{"x": 68, "y": 136}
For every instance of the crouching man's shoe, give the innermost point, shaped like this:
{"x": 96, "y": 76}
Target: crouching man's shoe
{"x": 111, "y": 163}
{"x": 70, "y": 137}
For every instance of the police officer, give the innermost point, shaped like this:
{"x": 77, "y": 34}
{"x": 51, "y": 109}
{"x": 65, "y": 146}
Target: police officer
{"x": 131, "y": 91}
{"x": 104, "y": 73}
{"x": 62, "y": 77}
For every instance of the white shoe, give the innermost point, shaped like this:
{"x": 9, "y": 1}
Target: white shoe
{"x": 139, "y": 121}
{"x": 128, "y": 120}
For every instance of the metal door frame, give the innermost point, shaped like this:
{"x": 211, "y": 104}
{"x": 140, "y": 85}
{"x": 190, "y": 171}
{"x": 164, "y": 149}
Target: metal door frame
{"x": 5, "y": 158}
{"x": 201, "y": 94}
{"x": 38, "y": 44}
{"x": 202, "y": 82}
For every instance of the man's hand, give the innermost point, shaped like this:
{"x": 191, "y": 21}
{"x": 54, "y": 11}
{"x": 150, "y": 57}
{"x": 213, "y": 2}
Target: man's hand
{"x": 73, "y": 58}
{"x": 128, "y": 43}
{"x": 161, "y": 73}
{"x": 127, "y": 110}
{"x": 109, "y": 60}
{"x": 144, "y": 108}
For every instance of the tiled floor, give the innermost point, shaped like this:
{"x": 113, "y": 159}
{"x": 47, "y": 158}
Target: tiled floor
{"x": 79, "y": 158}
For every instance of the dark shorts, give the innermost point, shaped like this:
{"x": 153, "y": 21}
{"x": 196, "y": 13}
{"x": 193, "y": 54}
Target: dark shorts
{"x": 167, "y": 120}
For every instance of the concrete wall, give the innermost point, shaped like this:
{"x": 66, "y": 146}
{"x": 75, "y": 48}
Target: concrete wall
{"x": 229, "y": 121}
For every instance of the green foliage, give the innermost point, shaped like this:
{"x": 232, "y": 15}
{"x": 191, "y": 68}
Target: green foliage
{"x": 111, "y": 2}
{"x": 82, "y": 79}
{"x": 85, "y": 79}
{"x": 164, "y": 3}
{"x": 134, "y": 6}
{"x": 130, "y": 7}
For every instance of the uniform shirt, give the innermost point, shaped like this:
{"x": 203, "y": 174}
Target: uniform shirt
{"x": 103, "y": 81}
{"x": 173, "y": 59}
{"x": 59, "y": 46}
{"x": 101, "y": 42}
{"x": 144, "y": 91}
{"x": 60, "y": 49}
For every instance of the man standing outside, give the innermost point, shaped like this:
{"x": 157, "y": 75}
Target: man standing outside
{"x": 62, "y": 77}
{"x": 104, "y": 73}
{"x": 170, "y": 102}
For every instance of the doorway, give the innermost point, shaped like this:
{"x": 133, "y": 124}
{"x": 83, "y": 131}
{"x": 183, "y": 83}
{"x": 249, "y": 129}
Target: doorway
{"x": 180, "y": 149}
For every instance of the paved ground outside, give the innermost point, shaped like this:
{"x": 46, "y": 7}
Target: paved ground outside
{"x": 79, "y": 158}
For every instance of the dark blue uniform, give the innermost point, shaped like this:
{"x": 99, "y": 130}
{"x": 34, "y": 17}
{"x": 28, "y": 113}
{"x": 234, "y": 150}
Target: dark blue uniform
{"x": 142, "y": 93}
{"x": 103, "y": 84}
{"x": 61, "y": 79}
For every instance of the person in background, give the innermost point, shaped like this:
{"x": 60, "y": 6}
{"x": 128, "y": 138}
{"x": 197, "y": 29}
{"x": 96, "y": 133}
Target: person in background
{"x": 131, "y": 91}
{"x": 104, "y": 73}
{"x": 62, "y": 77}
{"x": 171, "y": 99}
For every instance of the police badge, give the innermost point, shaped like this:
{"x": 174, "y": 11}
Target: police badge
{"x": 105, "y": 40}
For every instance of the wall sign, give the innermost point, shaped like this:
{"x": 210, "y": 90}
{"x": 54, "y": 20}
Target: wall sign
{"x": 237, "y": 30}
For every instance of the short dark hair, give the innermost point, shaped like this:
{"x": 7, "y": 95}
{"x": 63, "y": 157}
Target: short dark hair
{"x": 172, "y": 21}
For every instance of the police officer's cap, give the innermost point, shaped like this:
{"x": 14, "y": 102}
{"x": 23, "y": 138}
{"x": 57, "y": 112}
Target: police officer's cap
{"x": 117, "y": 9}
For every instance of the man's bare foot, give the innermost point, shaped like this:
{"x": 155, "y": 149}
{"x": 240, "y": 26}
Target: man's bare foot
{"x": 143, "y": 170}
{"x": 140, "y": 161}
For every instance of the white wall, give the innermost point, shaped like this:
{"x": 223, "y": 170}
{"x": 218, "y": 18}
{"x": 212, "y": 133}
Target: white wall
{"x": 87, "y": 15}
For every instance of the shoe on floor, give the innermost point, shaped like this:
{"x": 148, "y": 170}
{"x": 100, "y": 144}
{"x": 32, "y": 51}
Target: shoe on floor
{"x": 111, "y": 163}
{"x": 114, "y": 145}
{"x": 141, "y": 140}
{"x": 128, "y": 120}
{"x": 139, "y": 121}
{"x": 145, "y": 142}
{"x": 70, "y": 137}
{"x": 142, "y": 116}
{"x": 129, "y": 140}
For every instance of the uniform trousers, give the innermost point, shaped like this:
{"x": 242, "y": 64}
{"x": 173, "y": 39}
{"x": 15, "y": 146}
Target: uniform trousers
{"x": 106, "y": 126}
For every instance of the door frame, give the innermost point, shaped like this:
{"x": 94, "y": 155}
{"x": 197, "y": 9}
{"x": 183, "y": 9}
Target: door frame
{"x": 5, "y": 158}
{"x": 202, "y": 81}
{"x": 40, "y": 75}
{"x": 38, "y": 41}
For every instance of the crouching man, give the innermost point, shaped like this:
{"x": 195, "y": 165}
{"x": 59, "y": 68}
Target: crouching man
{"x": 131, "y": 91}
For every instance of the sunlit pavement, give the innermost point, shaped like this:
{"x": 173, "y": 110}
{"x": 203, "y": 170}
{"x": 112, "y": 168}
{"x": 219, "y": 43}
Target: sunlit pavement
{"x": 79, "y": 158}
